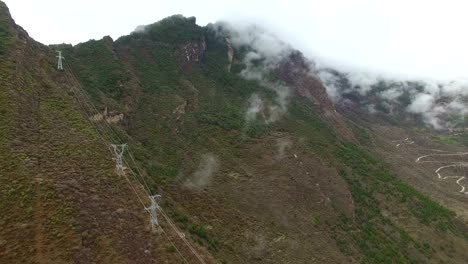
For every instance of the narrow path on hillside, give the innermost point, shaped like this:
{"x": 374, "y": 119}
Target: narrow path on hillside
{"x": 442, "y": 156}
{"x": 459, "y": 178}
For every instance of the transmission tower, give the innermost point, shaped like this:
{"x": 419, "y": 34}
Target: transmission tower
{"x": 59, "y": 60}
{"x": 153, "y": 210}
{"x": 118, "y": 151}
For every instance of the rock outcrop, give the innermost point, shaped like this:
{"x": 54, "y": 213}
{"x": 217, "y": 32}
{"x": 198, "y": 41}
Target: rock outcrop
{"x": 191, "y": 52}
{"x": 109, "y": 117}
{"x": 298, "y": 73}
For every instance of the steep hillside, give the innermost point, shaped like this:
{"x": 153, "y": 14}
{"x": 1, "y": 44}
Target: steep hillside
{"x": 417, "y": 126}
{"x": 253, "y": 161}
{"x": 61, "y": 199}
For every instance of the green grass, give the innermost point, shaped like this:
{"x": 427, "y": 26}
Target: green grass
{"x": 370, "y": 175}
{"x": 98, "y": 69}
{"x": 73, "y": 118}
{"x": 454, "y": 139}
{"x": 203, "y": 236}
{"x": 175, "y": 29}
{"x": 7, "y": 32}
{"x": 368, "y": 179}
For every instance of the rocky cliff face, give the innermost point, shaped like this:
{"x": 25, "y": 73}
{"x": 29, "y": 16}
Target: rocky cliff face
{"x": 192, "y": 52}
{"x": 298, "y": 73}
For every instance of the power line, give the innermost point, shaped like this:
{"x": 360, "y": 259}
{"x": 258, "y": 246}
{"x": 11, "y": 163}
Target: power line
{"x": 59, "y": 60}
{"x": 172, "y": 243}
{"x": 182, "y": 236}
{"x": 153, "y": 210}
{"x": 118, "y": 151}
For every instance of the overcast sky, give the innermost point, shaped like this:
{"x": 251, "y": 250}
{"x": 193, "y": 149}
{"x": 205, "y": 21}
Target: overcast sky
{"x": 412, "y": 37}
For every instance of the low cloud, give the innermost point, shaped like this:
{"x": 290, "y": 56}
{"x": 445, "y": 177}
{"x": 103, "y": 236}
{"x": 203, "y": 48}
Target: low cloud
{"x": 439, "y": 103}
{"x": 422, "y": 103}
{"x": 209, "y": 165}
{"x": 265, "y": 53}
{"x": 282, "y": 145}
{"x": 139, "y": 29}
{"x": 255, "y": 107}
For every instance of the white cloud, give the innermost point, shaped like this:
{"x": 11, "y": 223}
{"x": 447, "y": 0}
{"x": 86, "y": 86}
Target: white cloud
{"x": 364, "y": 80}
{"x": 422, "y": 103}
{"x": 406, "y": 40}
{"x": 413, "y": 38}
{"x": 254, "y": 108}
{"x": 330, "y": 81}
{"x": 391, "y": 94}
{"x": 209, "y": 165}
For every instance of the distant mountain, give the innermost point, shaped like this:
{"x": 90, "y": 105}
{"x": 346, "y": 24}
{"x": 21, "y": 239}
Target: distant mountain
{"x": 423, "y": 103}
{"x": 254, "y": 160}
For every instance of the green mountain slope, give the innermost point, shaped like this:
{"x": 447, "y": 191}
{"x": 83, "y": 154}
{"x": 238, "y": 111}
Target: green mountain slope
{"x": 281, "y": 184}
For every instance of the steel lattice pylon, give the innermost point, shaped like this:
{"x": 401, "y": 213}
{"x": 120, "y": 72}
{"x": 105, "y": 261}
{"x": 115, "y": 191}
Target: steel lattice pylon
{"x": 153, "y": 210}
{"x": 59, "y": 61}
{"x": 118, "y": 151}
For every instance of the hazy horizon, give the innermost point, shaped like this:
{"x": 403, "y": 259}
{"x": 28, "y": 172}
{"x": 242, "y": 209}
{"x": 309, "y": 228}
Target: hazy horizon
{"x": 421, "y": 39}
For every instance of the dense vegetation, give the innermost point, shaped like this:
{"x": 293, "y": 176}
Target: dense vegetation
{"x": 217, "y": 102}
{"x": 175, "y": 29}
{"x": 98, "y": 68}
{"x": 7, "y": 33}
{"x": 368, "y": 178}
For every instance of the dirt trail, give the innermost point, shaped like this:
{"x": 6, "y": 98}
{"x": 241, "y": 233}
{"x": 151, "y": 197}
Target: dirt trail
{"x": 458, "y": 177}
{"x": 440, "y": 155}
{"x": 436, "y": 159}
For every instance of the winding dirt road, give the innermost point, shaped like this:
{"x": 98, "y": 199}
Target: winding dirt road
{"x": 442, "y": 156}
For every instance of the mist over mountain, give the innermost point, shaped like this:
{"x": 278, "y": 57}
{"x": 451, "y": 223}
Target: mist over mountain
{"x": 394, "y": 38}
{"x": 441, "y": 105}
